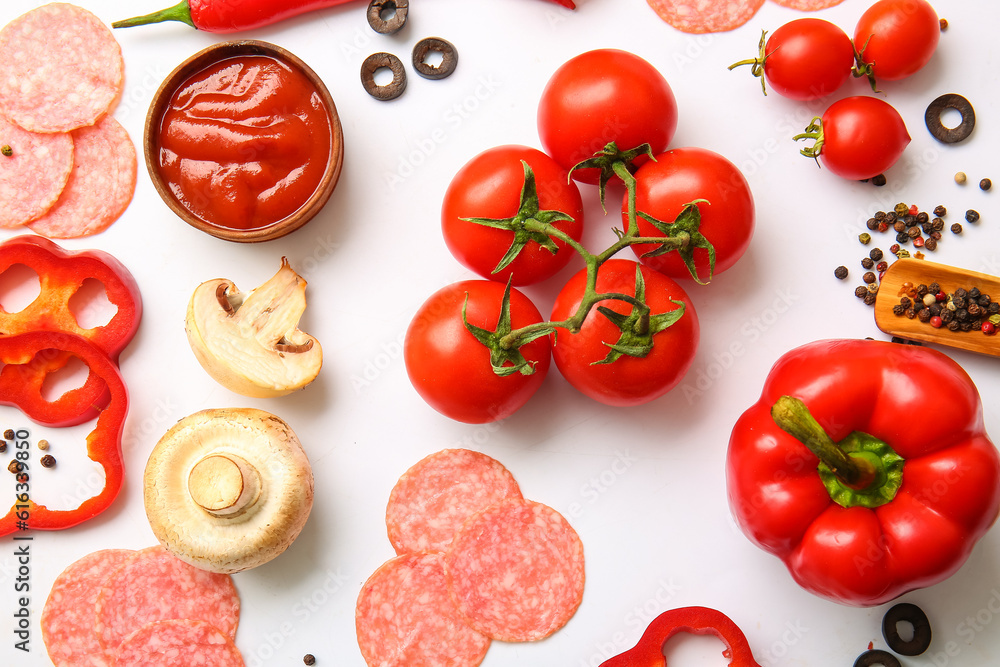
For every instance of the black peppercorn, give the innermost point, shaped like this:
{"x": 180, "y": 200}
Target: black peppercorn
{"x": 962, "y": 315}
{"x": 972, "y": 215}
{"x": 954, "y": 325}
{"x": 994, "y": 308}
{"x": 860, "y": 291}
{"x": 961, "y": 292}
{"x": 958, "y": 301}
{"x": 922, "y": 290}
{"x": 922, "y": 217}
{"x": 934, "y": 288}
{"x": 899, "y": 226}
{"x": 48, "y": 461}
{"x": 870, "y": 299}
{"x": 974, "y": 309}
{"x": 309, "y": 659}
{"x": 890, "y": 217}
{"x": 985, "y": 184}
{"x": 872, "y": 224}
{"x": 940, "y": 211}
{"x": 906, "y": 301}
{"x": 984, "y": 300}
{"x": 898, "y": 310}
{"x": 902, "y": 237}
{"x": 956, "y": 228}
{"x": 913, "y": 232}
{"x": 947, "y": 315}
{"x": 876, "y": 254}
{"x": 869, "y": 277}
{"x": 8, "y": 434}
{"x": 935, "y": 309}
{"x": 974, "y": 293}
{"x": 840, "y": 272}
{"x": 879, "y": 180}
{"x": 3, "y": 446}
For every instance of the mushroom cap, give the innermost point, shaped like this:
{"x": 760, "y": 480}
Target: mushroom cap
{"x": 182, "y": 481}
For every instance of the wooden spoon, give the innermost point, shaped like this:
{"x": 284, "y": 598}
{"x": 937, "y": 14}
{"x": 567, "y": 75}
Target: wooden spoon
{"x": 918, "y": 272}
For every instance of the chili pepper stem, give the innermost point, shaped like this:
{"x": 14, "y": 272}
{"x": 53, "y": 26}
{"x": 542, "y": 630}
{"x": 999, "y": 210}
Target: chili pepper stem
{"x": 793, "y": 417}
{"x": 179, "y": 12}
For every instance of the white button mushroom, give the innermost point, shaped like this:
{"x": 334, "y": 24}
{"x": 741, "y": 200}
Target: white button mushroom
{"x": 249, "y": 342}
{"x": 228, "y": 489}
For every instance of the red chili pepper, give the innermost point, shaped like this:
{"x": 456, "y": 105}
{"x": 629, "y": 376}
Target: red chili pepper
{"x": 890, "y": 494}
{"x": 224, "y": 16}
{"x": 696, "y": 620}
{"x": 19, "y": 355}
{"x": 61, "y": 274}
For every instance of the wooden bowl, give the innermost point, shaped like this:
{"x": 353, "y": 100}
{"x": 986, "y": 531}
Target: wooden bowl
{"x": 198, "y": 62}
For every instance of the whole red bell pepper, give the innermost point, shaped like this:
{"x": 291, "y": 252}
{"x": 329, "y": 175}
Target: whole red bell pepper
{"x": 223, "y": 16}
{"x": 19, "y": 355}
{"x": 696, "y": 620}
{"x": 866, "y": 468}
{"x": 61, "y": 275}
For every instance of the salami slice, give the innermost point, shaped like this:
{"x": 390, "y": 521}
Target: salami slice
{"x": 178, "y": 643}
{"x": 69, "y": 613}
{"x": 808, "y": 5}
{"x": 60, "y": 69}
{"x": 33, "y": 176}
{"x": 432, "y": 499}
{"x": 156, "y": 586}
{"x": 701, "y": 16}
{"x": 516, "y": 571}
{"x": 100, "y": 187}
{"x": 405, "y": 616}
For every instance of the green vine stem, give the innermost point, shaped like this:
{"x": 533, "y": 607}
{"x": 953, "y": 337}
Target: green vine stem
{"x": 533, "y": 223}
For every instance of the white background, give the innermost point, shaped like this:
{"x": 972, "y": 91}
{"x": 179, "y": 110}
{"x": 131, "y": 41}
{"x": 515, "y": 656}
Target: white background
{"x": 645, "y": 486}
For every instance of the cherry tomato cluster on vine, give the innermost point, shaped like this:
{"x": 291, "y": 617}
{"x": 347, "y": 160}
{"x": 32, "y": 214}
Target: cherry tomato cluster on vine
{"x": 858, "y": 137}
{"x": 622, "y": 332}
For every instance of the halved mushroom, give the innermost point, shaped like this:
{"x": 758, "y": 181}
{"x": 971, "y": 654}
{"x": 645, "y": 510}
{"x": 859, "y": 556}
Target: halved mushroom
{"x": 249, "y": 342}
{"x": 228, "y": 489}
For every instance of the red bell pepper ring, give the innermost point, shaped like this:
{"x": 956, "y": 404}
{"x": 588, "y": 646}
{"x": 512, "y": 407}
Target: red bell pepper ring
{"x": 222, "y": 16}
{"x": 695, "y": 620}
{"x": 103, "y": 442}
{"x": 890, "y": 494}
{"x": 61, "y": 274}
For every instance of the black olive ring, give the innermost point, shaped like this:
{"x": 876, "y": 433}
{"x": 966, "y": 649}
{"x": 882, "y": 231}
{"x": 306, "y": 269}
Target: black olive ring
{"x": 950, "y": 135}
{"x": 877, "y": 657}
{"x": 395, "y": 23}
{"x": 914, "y": 615}
{"x": 448, "y": 63}
{"x": 391, "y": 90}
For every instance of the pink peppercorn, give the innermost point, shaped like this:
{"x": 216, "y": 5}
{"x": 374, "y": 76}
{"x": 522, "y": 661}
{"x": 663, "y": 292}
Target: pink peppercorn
{"x": 989, "y": 328}
{"x": 936, "y": 321}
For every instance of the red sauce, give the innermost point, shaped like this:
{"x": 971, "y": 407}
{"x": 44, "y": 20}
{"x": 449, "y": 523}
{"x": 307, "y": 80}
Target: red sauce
{"x": 245, "y": 142}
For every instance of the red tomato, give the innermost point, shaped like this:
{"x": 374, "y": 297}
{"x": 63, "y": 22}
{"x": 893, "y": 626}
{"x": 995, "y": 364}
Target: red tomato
{"x": 602, "y": 96}
{"x": 897, "y": 37}
{"x": 451, "y": 370}
{"x": 861, "y": 137}
{"x": 808, "y": 58}
{"x": 489, "y": 186}
{"x": 678, "y": 177}
{"x": 627, "y": 380}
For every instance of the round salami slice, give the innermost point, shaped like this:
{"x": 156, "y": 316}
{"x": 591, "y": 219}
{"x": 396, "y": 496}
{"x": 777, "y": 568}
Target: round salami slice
{"x": 432, "y": 499}
{"x": 69, "y": 613}
{"x": 701, "y": 16}
{"x": 156, "y": 586}
{"x": 405, "y": 616}
{"x": 34, "y": 174}
{"x": 60, "y": 69}
{"x": 100, "y": 187}
{"x": 178, "y": 643}
{"x": 516, "y": 571}
{"x": 808, "y": 5}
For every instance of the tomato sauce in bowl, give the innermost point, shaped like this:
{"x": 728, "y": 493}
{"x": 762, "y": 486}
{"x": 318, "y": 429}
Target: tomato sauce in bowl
{"x": 243, "y": 142}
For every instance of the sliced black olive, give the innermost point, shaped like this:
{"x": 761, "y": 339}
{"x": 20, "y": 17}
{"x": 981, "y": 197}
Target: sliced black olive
{"x": 392, "y": 24}
{"x": 950, "y": 135}
{"x": 375, "y": 62}
{"x": 914, "y": 615}
{"x": 448, "y": 54}
{"x": 877, "y": 657}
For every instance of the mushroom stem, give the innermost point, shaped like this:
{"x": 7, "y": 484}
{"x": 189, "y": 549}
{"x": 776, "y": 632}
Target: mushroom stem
{"x": 224, "y": 485}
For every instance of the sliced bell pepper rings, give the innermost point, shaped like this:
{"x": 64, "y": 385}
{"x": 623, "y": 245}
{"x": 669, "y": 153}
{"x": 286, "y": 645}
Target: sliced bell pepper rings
{"x": 695, "y": 620}
{"x": 61, "y": 274}
{"x": 19, "y": 354}
{"x": 865, "y": 467}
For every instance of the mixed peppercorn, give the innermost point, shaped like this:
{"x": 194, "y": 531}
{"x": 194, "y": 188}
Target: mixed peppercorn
{"x": 961, "y": 310}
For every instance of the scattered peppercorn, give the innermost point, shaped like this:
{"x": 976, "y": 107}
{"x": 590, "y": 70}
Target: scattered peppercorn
{"x": 876, "y": 254}
{"x": 14, "y": 467}
{"x": 8, "y": 434}
{"x": 6, "y": 150}
{"x": 48, "y": 461}
{"x": 956, "y": 228}
{"x": 309, "y": 659}
{"x": 3, "y": 446}
{"x": 840, "y": 272}
{"x": 870, "y": 299}
{"x": 865, "y": 238}
{"x": 882, "y": 266}
{"x": 931, "y": 244}
{"x": 860, "y": 291}
{"x": 972, "y": 215}
{"x": 985, "y": 184}
{"x": 43, "y": 445}
{"x": 879, "y": 181}
{"x": 869, "y": 277}
{"x": 867, "y": 262}
{"x": 944, "y": 24}
{"x": 940, "y": 211}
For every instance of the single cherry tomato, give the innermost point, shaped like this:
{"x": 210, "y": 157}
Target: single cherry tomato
{"x": 896, "y": 38}
{"x": 681, "y": 176}
{"x": 628, "y": 380}
{"x": 858, "y": 137}
{"x": 804, "y": 59}
{"x": 490, "y": 186}
{"x": 602, "y": 96}
{"x": 451, "y": 369}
